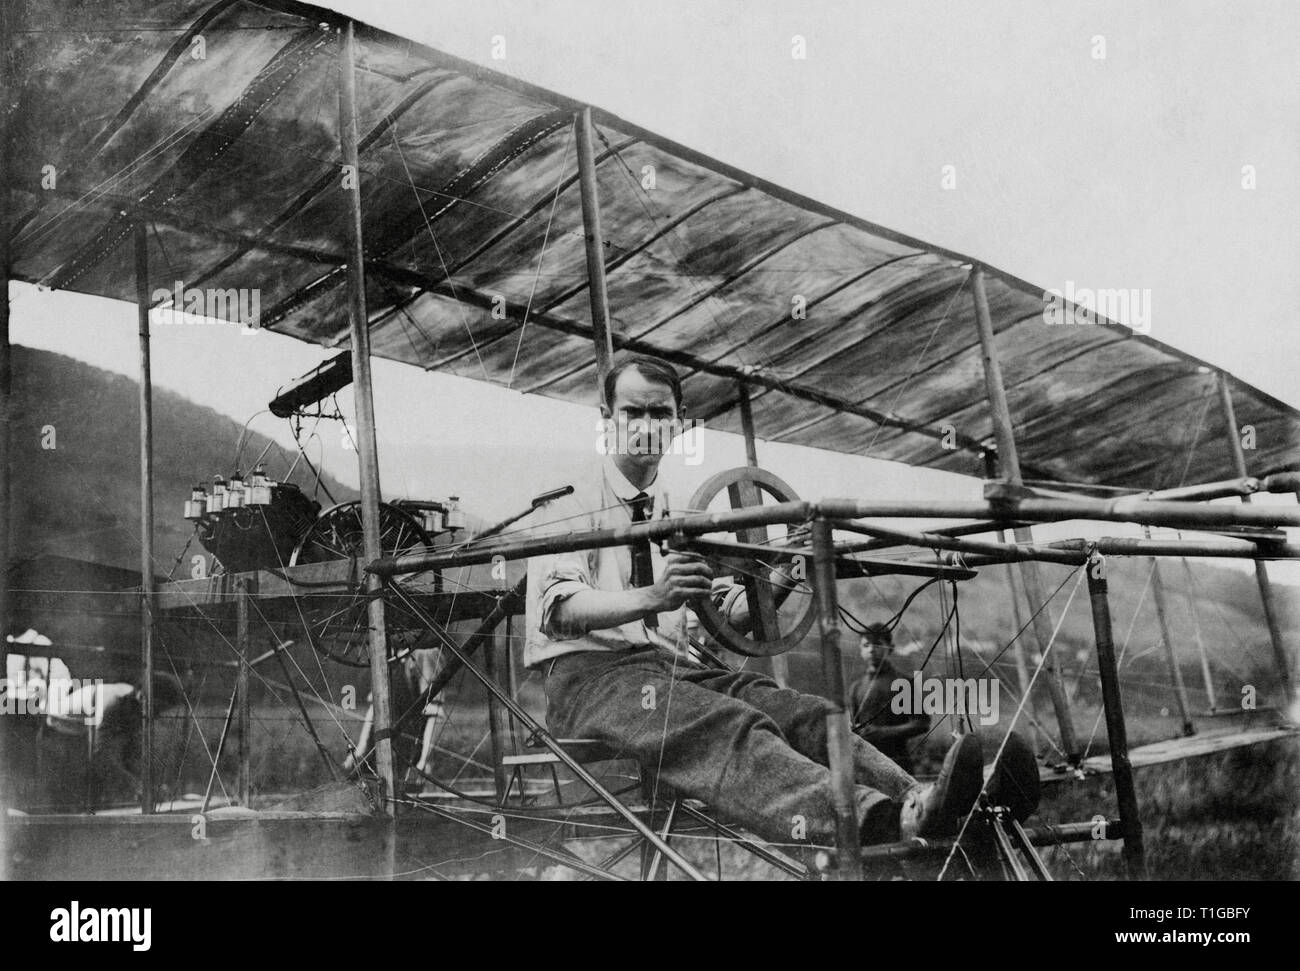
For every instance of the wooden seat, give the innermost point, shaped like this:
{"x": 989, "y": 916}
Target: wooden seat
{"x": 664, "y": 808}
{"x": 582, "y": 749}
{"x": 587, "y": 751}
{"x": 662, "y": 811}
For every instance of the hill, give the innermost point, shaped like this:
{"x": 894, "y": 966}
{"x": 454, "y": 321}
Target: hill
{"x": 76, "y": 462}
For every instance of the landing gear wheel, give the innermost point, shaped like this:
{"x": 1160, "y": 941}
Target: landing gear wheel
{"x": 337, "y": 624}
{"x": 777, "y": 629}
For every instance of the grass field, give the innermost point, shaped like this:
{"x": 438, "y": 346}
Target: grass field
{"x": 1233, "y": 815}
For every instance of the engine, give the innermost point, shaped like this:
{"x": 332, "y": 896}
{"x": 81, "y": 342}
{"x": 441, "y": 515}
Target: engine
{"x": 251, "y": 523}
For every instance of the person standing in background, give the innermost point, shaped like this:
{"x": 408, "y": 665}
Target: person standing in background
{"x": 874, "y": 719}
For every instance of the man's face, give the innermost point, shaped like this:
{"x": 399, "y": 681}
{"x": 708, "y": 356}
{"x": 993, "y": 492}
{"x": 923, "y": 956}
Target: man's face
{"x": 645, "y": 416}
{"x": 874, "y": 650}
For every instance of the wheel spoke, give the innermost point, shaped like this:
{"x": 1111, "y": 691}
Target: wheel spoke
{"x": 745, "y": 489}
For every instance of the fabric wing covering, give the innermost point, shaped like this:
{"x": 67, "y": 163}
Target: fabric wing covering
{"x": 217, "y": 124}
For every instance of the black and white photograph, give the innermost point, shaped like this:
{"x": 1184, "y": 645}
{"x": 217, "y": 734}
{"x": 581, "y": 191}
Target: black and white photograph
{"x": 561, "y": 441}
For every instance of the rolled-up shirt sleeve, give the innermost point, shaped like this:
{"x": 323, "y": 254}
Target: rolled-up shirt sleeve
{"x": 724, "y": 594}
{"x": 558, "y": 577}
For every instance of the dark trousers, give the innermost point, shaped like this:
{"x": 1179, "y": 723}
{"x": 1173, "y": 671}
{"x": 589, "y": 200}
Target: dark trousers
{"x": 753, "y": 751}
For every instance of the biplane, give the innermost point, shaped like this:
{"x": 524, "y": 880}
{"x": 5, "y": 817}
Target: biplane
{"x": 388, "y": 200}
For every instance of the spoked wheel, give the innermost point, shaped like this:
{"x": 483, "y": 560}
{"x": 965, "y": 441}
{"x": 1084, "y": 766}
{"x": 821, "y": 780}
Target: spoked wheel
{"x": 337, "y": 624}
{"x": 775, "y": 629}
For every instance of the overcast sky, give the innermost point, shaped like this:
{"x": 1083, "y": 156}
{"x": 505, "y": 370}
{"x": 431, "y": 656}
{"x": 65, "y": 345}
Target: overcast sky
{"x": 1122, "y": 171}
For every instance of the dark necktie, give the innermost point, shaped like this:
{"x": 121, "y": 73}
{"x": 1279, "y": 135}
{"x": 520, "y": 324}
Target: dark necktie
{"x": 642, "y": 566}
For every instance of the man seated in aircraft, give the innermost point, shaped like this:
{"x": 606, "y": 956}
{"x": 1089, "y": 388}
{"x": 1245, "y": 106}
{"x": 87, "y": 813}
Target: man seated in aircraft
{"x": 608, "y": 629}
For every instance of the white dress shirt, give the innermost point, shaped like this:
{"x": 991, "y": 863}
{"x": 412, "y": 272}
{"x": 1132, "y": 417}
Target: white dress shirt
{"x": 601, "y": 504}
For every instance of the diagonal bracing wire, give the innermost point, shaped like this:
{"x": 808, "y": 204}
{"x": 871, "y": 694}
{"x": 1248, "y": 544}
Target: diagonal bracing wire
{"x": 919, "y": 358}
{"x": 541, "y": 255}
{"x": 433, "y": 237}
{"x": 1038, "y": 669}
